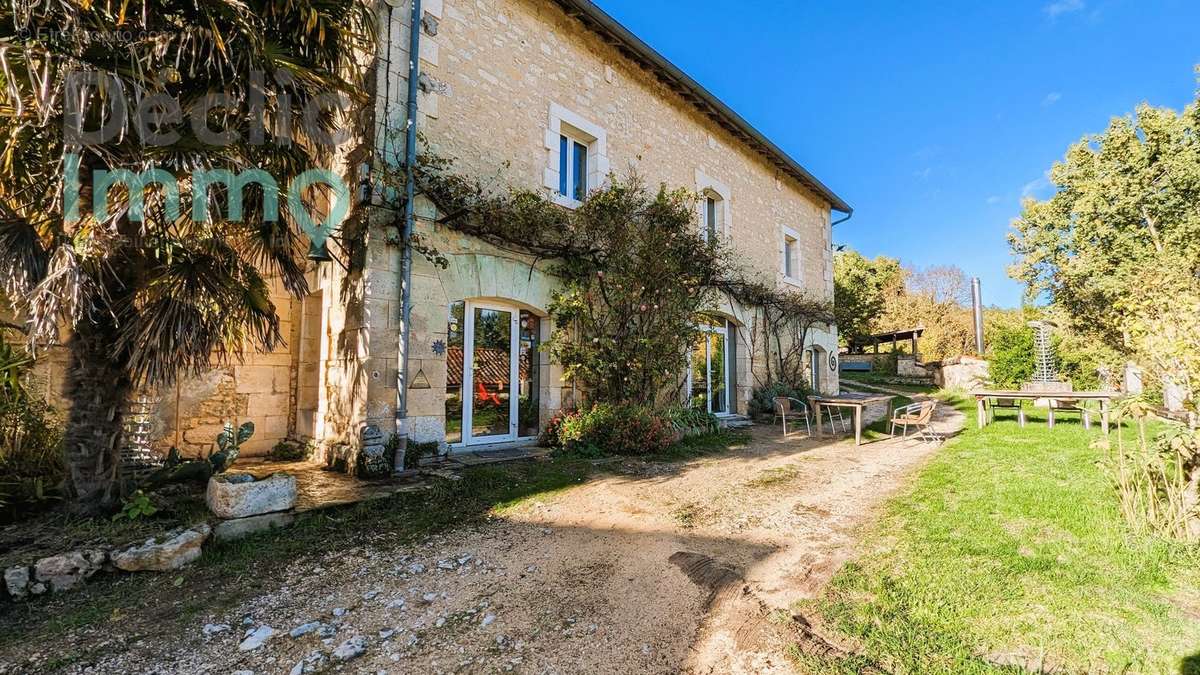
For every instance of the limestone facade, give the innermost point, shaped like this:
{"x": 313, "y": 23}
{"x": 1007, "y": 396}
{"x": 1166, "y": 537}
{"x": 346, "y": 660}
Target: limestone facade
{"x": 502, "y": 82}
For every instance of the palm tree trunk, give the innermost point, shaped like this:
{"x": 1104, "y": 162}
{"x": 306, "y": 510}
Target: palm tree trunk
{"x": 98, "y": 387}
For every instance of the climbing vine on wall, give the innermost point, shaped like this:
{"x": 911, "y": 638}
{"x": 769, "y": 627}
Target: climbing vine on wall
{"x": 635, "y": 273}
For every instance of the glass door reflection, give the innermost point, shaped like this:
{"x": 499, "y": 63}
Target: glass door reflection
{"x": 491, "y": 373}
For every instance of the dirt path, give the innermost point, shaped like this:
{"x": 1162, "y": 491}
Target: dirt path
{"x": 582, "y": 581}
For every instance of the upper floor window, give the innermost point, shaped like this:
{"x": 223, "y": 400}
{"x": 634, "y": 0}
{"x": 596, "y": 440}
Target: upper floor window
{"x": 577, "y": 151}
{"x": 790, "y": 252}
{"x": 714, "y": 206}
{"x": 711, "y": 225}
{"x": 572, "y": 168}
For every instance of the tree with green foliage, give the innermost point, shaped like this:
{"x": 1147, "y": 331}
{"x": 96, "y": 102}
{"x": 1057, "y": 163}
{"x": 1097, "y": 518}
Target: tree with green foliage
{"x": 860, "y": 290}
{"x": 1010, "y": 350}
{"x": 1117, "y": 248}
{"x": 148, "y": 291}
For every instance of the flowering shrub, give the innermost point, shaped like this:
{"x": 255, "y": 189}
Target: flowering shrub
{"x": 619, "y": 429}
{"x": 549, "y": 437}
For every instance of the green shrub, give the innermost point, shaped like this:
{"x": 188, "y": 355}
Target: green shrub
{"x": 762, "y": 400}
{"x": 1010, "y": 357}
{"x": 32, "y": 471}
{"x": 615, "y": 429}
{"x": 415, "y": 451}
{"x": 290, "y": 451}
{"x": 691, "y": 421}
{"x": 138, "y": 505}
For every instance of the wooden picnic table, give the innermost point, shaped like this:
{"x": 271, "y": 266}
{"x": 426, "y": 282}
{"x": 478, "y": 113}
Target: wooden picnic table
{"x": 855, "y": 401}
{"x": 1104, "y": 397}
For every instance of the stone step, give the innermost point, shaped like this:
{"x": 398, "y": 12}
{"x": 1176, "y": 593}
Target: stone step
{"x": 736, "y": 422}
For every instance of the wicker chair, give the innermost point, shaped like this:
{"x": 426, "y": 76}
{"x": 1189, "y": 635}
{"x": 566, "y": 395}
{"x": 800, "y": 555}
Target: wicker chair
{"x": 787, "y": 408}
{"x": 919, "y": 416}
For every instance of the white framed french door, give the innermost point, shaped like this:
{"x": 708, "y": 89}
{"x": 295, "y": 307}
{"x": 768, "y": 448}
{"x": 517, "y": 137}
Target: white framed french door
{"x": 709, "y": 378}
{"x": 492, "y": 373}
{"x": 489, "y": 372}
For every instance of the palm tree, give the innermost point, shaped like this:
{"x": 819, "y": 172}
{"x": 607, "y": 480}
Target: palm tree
{"x": 167, "y": 296}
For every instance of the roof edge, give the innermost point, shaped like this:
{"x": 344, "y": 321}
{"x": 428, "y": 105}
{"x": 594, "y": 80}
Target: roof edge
{"x": 633, "y": 46}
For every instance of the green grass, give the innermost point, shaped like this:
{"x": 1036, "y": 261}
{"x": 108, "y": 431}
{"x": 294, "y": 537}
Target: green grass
{"x": 704, "y": 444}
{"x": 1010, "y": 543}
{"x": 779, "y": 475}
{"x": 886, "y": 381}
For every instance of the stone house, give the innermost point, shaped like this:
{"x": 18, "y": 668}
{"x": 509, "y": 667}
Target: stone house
{"x": 560, "y": 95}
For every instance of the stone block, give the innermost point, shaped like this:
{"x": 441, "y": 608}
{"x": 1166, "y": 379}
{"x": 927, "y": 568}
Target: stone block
{"x": 229, "y": 530}
{"x": 269, "y": 404}
{"x": 204, "y": 434}
{"x": 255, "y": 379}
{"x": 239, "y": 495}
{"x": 176, "y": 549}
{"x": 67, "y": 570}
{"x": 273, "y": 426}
{"x": 282, "y": 377}
{"x": 16, "y": 580}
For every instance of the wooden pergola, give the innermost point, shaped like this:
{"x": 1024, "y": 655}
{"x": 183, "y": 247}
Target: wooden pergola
{"x": 859, "y": 345}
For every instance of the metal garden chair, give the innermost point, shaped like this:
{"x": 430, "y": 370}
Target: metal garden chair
{"x": 919, "y": 416}
{"x": 787, "y": 408}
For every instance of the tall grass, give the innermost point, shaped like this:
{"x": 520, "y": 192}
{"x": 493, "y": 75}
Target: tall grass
{"x": 1156, "y": 477}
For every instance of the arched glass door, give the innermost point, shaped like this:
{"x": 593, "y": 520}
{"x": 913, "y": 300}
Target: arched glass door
{"x": 709, "y": 370}
{"x": 491, "y": 373}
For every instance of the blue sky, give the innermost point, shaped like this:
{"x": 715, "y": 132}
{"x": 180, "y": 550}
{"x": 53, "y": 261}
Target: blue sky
{"x": 930, "y": 119}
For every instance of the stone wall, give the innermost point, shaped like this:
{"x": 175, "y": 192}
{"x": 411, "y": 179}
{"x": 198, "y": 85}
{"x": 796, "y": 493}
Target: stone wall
{"x": 496, "y": 67}
{"x": 963, "y": 372}
{"x": 494, "y": 73}
{"x": 260, "y": 389}
{"x": 908, "y": 366}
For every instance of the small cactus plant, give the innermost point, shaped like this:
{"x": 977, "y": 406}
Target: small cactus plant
{"x": 229, "y": 445}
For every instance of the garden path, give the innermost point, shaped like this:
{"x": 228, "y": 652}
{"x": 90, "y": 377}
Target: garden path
{"x": 589, "y": 579}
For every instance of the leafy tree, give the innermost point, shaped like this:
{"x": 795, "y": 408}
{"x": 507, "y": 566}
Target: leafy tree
{"x": 626, "y": 317}
{"x": 1010, "y": 348}
{"x": 860, "y": 289}
{"x": 150, "y": 299}
{"x": 934, "y": 299}
{"x": 1116, "y": 250}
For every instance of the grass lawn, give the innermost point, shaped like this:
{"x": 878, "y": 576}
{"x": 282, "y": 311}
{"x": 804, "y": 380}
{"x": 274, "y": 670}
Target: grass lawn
{"x": 887, "y": 381}
{"x": 1008, "y": 555}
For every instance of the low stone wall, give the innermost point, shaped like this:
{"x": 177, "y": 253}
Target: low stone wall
{"x": 962, "y": 372}
{"x": 66, "y": 571}
{"x": 908, "y": 366}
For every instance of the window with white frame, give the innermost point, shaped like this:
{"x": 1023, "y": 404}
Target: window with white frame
{"x": 572, "y": 167}
{"x": 577, "y": 152}
{"x": 712, "y": 216}
{"x": 790, "y": 253}
{"x": 714, "y": 206}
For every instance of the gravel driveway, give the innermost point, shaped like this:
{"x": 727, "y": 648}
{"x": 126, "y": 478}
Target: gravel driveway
{"x": 578, "y": 581}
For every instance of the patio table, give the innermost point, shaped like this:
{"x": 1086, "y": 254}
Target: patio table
{"x": 1104, "y": 397}
{"x": 855, "y": 401}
